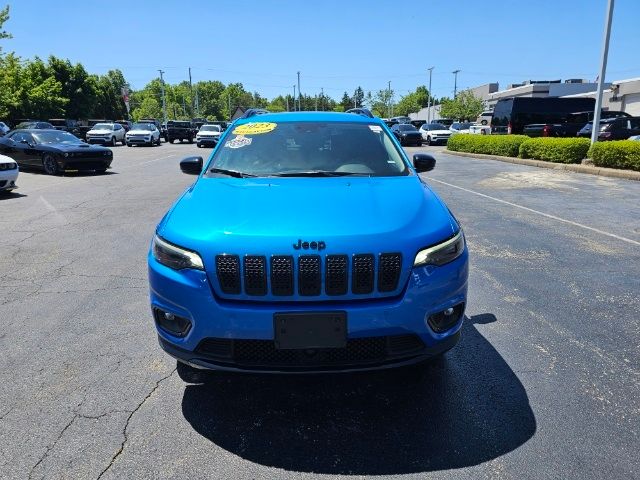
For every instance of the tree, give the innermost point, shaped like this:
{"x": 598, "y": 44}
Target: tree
{"x": 346, "y": 103}
{"x": 380, "y": 104}
{"x": 358, "y": 97}
{"x": 149, "y": 108}
{"x": 4, "y": 16}
{"x": 465, "y": 106}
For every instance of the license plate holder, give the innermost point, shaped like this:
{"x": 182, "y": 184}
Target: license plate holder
{"x": 310, "y": 330}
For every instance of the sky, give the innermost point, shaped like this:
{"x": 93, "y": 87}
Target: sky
{"x": 335, "y": 45}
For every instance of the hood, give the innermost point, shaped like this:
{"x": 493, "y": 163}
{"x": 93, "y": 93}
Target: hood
{"x": 5, "y": 159}
{"x": 75, "y": 147}
{"x": 438, "y": 132}
{"x": 139, "y": 132}
{"x": 269, "y": 215}
{"x": 100, "y": 132}
{"x": 209, "y": 133}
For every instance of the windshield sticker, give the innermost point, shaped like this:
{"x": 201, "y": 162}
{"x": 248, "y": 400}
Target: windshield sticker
{"x": 256, "y": 128}
{"x": 375, "y": 128}
{"x": 238, "y": 142}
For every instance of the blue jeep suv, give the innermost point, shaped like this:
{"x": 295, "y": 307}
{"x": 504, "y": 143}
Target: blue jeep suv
{"x": 307, "y": 243}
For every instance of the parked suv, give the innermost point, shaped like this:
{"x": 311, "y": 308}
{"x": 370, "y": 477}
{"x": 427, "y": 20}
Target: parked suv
{"x": 208, "y": 135}
{"x": 620, "y": 128}
{"x": 309, "y": 266}
{"x": 143, "y": 133}
{"x": 107, "y": 134}
{"x": 180, "y": 130}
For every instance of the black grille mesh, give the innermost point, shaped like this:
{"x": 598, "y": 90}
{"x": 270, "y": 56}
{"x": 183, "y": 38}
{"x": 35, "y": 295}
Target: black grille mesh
{"x": 282, "y": 275}
{"x": 228, "y": 271}
{"x": 389, "y": 266}
{"x": 363, "y": 273}
{"x": 255, "y": 277}
{"x": 250, "y": 277}
{"x": 263, "y": 353}
{"x": 309, "y": 282}
{"x": 336, "y": 274}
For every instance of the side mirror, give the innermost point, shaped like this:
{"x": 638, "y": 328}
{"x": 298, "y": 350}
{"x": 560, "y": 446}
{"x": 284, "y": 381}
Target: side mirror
{"x": 423, "y": 162}
{"x": 191, "y": 165}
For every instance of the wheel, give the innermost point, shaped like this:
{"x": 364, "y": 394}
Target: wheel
{"x": 190, "y": 139}
{"x": 189, "y": 374}
{"x": 128, "y": 144}
{"x": 101, "y": 171}
{"x": 50, "y": 165}
{"x": 171, "y": 140}
{"x": 483, "y": 122}
{"x": 419, "y": 144}
{"x": 159, "y": 142}
{"x": 123, "y": 141}
{"x": 151, "y": 142}
{"x": 199, "y": 145}
{"x": 428, "y": 140}
{"x": 113, "y": 141}
{"x": 181, "y": 140}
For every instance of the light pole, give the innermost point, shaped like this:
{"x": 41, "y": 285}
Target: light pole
{"x": 455, "y": 83}
{"x": 299, "y": 106}
{"x": 595, "y": 130}
{"x": 429, "y": 96}
{"x": 322, "y": 98}
{"x": 294, "y": 98}
{"x": 389, "y": 99}
{"x": 164, "y": 103}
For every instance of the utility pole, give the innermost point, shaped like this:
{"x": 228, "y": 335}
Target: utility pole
{"x": 389, "y": 96}
{"x": 191, "y": 90}
{"x": 316, "y": 102}
{"x": 322, "y": 99}
{"x": 229, "y": 102}
{"x": 455, "y": 83}
{"x": 355, "y": 99}
{"x": 197, "y": 103}
{"x": 595, "y": 130}
{"x": 299, "y": 105}
{"x": 429, "y": 96}
{"x": 184, "y": 106}
{"x": 164, "y": 103}
{"x": 287, "y": 98}
{"x": 294, "y": 98}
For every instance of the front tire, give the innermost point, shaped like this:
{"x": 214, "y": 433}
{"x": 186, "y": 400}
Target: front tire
{"x": 50, "y": 165}
{"x": 113, "y": 141}
{"x": 428, "y": 140}
{"x": 123, "y": 141}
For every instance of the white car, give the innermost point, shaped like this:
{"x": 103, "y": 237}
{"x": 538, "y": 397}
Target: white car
{"x": 107, "y": 134}
{"x": 479, "y": 129}
{"x": 143, "y": 133}
{"x": 434, "y": 133}
{"x": 208, "y": 135}
{"x": 8, "y": 174}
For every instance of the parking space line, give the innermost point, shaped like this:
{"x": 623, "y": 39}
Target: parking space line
{"x": 537, "y": 212}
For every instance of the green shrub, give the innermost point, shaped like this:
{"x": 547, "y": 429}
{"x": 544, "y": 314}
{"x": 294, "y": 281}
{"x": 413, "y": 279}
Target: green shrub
{"x": 560, "y": 150}
{"x": 616, "y": 154}
{"x": 504, "y": 145}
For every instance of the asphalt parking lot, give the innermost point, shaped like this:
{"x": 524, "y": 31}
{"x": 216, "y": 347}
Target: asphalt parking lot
{"x": 544, "y": 383}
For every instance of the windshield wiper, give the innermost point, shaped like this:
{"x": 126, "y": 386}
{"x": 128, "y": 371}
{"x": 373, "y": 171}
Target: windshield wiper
{"x": 231, "y": 173}
{"x": 320, "y": 173}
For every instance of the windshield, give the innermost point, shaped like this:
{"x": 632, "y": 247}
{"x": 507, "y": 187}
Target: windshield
{"x": 308, "y": 149}
{"x": 102, "y": 126}
{"x": 210, "y": 128}
{"x": 55, "y": 137}
{"x": 406, "y": 127}
{"x": 143, "y": 126}
{"x": 436, "y": 126}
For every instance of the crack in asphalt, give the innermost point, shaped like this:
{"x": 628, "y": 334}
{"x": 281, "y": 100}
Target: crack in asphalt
{"x": 53, "y": 445}
{"x": 126, "y": 425}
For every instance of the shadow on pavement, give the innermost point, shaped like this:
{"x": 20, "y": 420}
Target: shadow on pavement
{"x": 9, "y": 195}
{"x": 464, "y": 409}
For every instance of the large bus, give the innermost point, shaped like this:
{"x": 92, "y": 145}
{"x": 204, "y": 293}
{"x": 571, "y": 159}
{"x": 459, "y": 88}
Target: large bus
{"x": 512, "y": 114}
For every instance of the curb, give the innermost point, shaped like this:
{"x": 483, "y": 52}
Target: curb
{"x": 571, "y": 167}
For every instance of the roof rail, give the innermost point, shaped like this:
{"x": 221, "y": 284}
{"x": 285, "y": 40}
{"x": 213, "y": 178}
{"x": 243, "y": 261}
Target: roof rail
{"x": 365, "y": 112}
{"x": 251, "y": 112}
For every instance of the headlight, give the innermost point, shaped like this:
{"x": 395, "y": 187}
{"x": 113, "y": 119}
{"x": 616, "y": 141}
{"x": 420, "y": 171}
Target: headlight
{"x": 175, "y": 257}
{"x": 66, "y": 154}
{"x": 441, "y": 254}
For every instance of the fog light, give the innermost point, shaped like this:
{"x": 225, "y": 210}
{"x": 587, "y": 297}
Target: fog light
{"x": 444, "y": 320}
{"x": 173, "y": 324}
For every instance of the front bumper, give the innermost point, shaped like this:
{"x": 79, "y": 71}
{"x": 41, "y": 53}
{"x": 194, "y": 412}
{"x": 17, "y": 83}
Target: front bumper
{"x": 101, "y": 140}
{"x": 139, "y": 140}
{"x": 8, "y": 179}
{"x": 207, "y": 140}
{"x": 375, "y": 327}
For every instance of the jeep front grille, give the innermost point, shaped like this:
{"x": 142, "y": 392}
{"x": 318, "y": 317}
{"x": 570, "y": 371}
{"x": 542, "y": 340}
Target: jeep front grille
{"x": 308, "y": 275}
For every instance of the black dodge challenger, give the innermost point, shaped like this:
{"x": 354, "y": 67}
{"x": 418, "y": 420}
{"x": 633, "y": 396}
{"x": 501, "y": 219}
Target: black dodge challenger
{"x": 54, "y": 151}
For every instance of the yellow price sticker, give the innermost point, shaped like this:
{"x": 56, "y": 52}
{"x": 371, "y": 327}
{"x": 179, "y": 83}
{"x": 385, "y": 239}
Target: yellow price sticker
{"x": 254, "y": 128}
